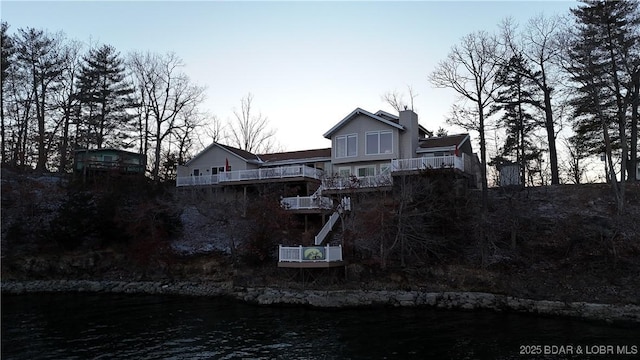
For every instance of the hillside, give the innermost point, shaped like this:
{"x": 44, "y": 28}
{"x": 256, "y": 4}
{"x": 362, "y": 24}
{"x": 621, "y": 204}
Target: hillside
{"x": 556, "y": 242}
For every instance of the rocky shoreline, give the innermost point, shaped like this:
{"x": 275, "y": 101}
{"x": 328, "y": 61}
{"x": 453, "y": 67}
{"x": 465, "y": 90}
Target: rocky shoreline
{"x": 339, "y": 298}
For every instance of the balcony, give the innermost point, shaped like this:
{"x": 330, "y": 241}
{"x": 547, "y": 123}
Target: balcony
{"x": 314, "y": 202}
{"x": 250, "y": 175}
{"x": 461, "y": 163}
{"x": 353, "y": 182}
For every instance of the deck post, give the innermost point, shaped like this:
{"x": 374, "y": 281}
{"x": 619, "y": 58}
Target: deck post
{"x": 326, "y": 258}
{"x": 244, "y": 205}
{"x": 300, "y": 258}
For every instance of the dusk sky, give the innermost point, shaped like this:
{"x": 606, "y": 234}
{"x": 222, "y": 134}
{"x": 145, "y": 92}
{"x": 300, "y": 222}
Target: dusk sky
{"x": 307, "y": 64}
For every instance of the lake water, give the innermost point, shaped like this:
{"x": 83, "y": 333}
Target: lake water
{"x": 111, "y": 326}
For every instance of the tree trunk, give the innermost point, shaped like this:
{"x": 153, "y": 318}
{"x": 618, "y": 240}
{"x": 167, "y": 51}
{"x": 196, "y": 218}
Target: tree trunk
{"x": 483, "y": 157}
{"x": 64, "y": 147}
{"x": 40, "y": 108}
{"x": 632, "y": 164}
{"x": 3, "y": 153}
{"x": 551, "y": 138}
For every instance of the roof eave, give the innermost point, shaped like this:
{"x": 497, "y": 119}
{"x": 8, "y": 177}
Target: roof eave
{"x": 342, "y": 122}
{"x": 296, "y": 161}
{"x": 252, "y": 161}
{"x": 421, "y": 150}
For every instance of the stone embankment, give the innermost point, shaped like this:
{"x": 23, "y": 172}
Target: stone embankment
{"x": 340, "y": 298}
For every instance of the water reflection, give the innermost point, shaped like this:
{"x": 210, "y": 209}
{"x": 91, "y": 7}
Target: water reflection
{"x": 110, "y": 326}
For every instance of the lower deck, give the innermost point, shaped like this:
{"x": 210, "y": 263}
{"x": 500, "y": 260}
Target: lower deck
{"x": 305, "y": 257}
{"x": 311, "y": 264}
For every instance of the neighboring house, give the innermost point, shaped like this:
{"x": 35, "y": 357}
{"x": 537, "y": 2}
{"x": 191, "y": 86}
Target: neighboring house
{"x": 107, "y": 159}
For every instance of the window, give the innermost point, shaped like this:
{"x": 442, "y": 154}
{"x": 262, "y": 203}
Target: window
{"x": 196, "y": 172}
{"x": 367, "y": 171}
{"x": 379, "y": 142}
{"x": 107, "y": 158}
{"x": 346, "y": 146}
{"x": 344, "y": 172}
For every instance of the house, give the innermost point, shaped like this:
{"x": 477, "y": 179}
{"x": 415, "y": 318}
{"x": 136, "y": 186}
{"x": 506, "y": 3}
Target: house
{"x": 367, "y": 151}
{"x": 109, "y": 160}
{"x": 364, "y": 145}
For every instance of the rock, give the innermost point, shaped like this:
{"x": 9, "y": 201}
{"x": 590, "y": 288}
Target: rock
{"x": 339, "y": 298}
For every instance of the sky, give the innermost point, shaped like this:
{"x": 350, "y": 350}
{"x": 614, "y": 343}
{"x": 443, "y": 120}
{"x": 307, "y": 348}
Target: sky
{"x": 307, "y": 64}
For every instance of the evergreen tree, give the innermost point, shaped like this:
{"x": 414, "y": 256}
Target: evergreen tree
{"x": 604, "y": 63}
{"x": 512, "y": 101}
{"x": 538, "y": 44}
{"x": 106, "y": 96}
{"x": 38, "y": 56}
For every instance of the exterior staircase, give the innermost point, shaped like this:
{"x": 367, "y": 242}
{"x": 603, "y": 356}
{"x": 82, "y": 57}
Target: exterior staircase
{"x": 328, "y": 226}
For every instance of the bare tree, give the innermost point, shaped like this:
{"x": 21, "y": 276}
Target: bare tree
{"x": 7, "y": 47}
{"x": 251, "y": 132}
{"x": 396, "y": 99}
{"x": 215, "y": 129}
{"x": 67, "y": 100}
{"x": 470, "y": 70}
{"x": 578, "y": 152}
{"x": 167, "y": 93}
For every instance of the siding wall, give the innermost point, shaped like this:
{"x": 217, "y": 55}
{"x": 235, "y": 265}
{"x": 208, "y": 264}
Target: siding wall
{"x": 360, "y": 125}
{"x": 214, "y": 157}
{"x": 353, "y": 167}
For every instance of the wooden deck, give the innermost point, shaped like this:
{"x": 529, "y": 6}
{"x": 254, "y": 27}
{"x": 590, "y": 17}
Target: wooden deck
{"x": 306, "y": 257}
{"x": 311, "y": 264}
{"x": 254, "y": 176}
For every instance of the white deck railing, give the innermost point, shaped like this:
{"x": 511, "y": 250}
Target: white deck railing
{"x": 309, "y": 253}
{"x": 328, "y": 226}
{"x": 353, "y": 182}
{"x": 434, "y": 162}
{"x": 250, "y": 175}
{"x": 307, "y": 202}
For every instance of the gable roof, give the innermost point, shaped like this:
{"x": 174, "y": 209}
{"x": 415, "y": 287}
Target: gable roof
{"x": 441, "y": 142}
{"x": 388, "y": 116}
{"x": 242, "y": 154}
{"x": 356, "y": 112}
{"x": 297, "y": 155}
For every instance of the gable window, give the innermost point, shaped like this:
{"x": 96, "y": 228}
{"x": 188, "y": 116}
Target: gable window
{"x": 366, "y": 171}
{"x": 379, "y": 142}
{"x": 346, "y": 146}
